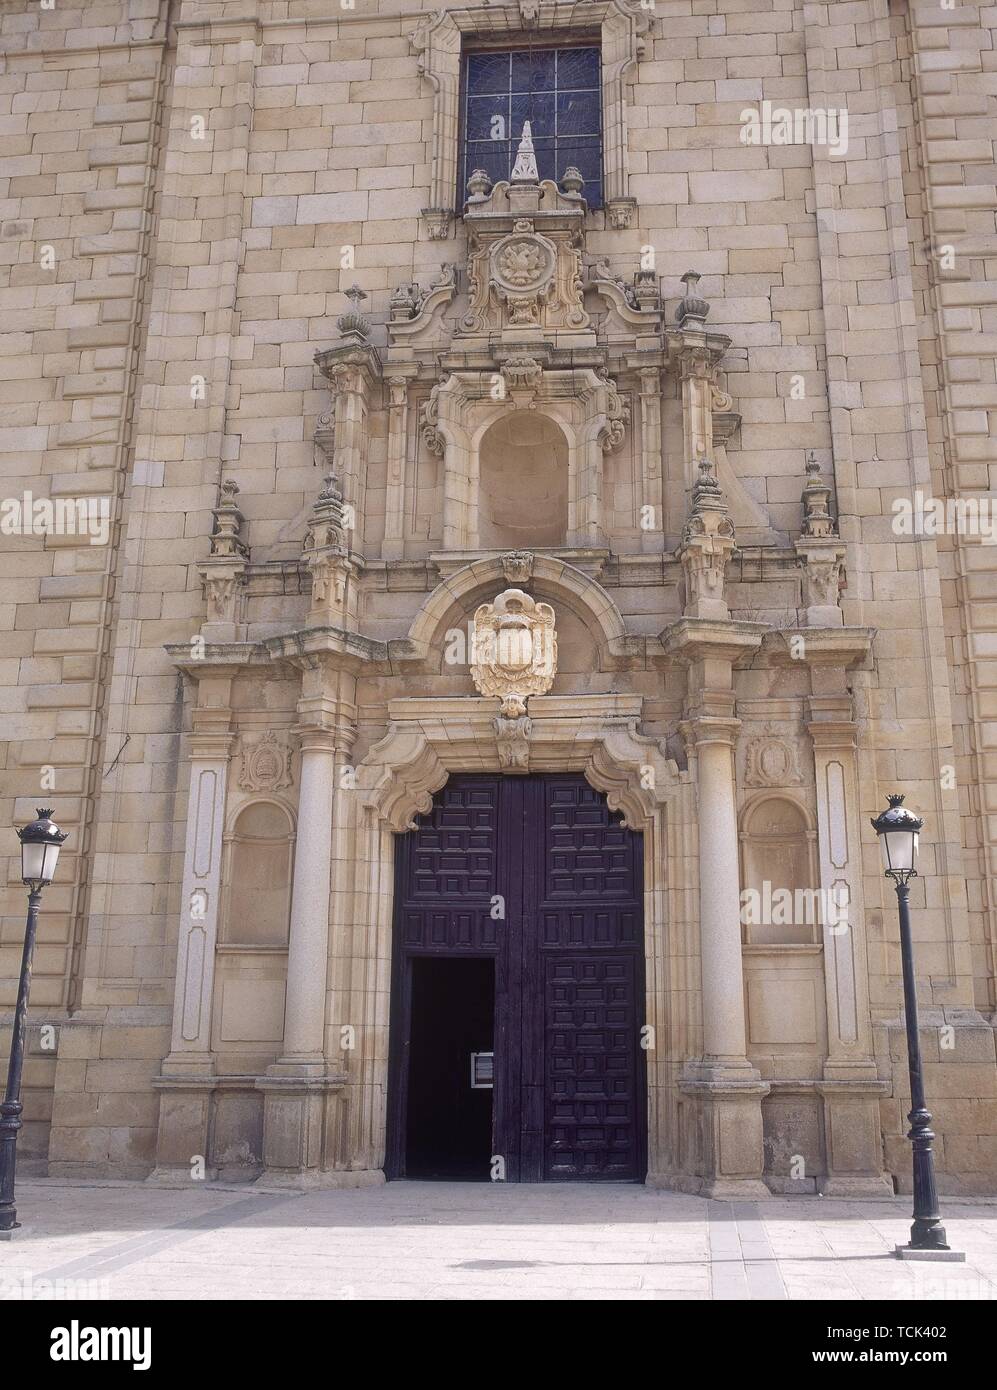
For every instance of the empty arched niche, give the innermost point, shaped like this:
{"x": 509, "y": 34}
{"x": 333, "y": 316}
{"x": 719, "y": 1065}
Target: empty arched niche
{"x": 258, "y": 902}
{"x": 780, "y": 901}
{"x": 523, "y": 483}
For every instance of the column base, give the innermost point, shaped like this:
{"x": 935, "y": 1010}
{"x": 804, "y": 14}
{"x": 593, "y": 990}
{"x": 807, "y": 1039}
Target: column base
{"x": 723, "y": 1189}
{"x": 184, "y": 1127}
{"x": 294, "y": 1100}
{"x": 732, "y": 1157}
{"x": 319, "y": 1179}
{"x": 841, "y": 1185}
{"x": 853, "y": 1142}
{"x": 178, "y": 1175}
{"x": 735, "y": 1190}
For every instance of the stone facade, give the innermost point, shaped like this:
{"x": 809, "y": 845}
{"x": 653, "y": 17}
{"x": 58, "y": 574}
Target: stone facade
{"x": 335, "y": 410}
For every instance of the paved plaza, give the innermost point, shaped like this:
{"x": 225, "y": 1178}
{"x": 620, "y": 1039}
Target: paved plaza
{"x": 463, "y": 1240}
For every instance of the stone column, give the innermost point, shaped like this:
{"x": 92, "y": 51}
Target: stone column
{"x": 308, "y": 946}
{"x": 187, "y": 1078}
{"x": 719, "y": 893}
{"x": 709, "y": 642}
{"x": 295, "y": 1087}
{"x": 730, "y": 1089}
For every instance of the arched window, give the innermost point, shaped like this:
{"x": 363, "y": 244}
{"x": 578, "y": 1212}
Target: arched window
{"x": 780, "y": 898}
{"x": 258, "y": 897}
{"x": 523, "y": 483}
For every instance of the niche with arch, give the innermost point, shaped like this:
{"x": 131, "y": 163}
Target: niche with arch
{"x": 251, "y": 975}
{"x": 257, "y": 903}
{"x": 523, "y": 473}
{"x": 783, "y": 957}
{"x": 779, "y": 872}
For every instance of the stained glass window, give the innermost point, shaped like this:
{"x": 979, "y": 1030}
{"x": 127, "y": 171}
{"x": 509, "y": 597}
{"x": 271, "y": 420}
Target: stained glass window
{"x": 557, "y": 90}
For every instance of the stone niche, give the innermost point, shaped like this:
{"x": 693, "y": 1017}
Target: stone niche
{"x": 523, "y": 475}
{"x": 251, "y": 965}
{"x": 778, "y": 863}
{"x": 784, "y": 990}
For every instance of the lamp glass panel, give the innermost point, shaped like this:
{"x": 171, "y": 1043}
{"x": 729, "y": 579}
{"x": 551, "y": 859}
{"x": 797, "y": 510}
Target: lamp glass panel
{"x": 901, "y": 848}
{"x": 32, "y": 862}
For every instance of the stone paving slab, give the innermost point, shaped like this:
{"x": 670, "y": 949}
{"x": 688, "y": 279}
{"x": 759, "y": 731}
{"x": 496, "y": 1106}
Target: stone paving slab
{"x": 448, "y": 1241}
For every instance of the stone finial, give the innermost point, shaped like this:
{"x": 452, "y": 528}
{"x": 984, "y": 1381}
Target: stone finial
{"x": 328, "y": 524}
{"x": 646, "y": 292}
{"x": 326, "y": 554}
{"x": 692, "y": 309}
{"x": 223, "y": 571}
{"x": 820, "y": 552}
{"x": 405, "y": 301}
{"x": 572, "y": 181}
{"x": 525, "y": 168}
{"x": 353, "y": 323}
{"x": 226, "y": 538}
{"x": 709, "y": 513}
{"x": 479, "y": 185}
{"x": 817, "y": 520}
{"x": 707, "y": 545}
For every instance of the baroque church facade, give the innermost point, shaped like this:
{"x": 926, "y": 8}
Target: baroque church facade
{"x": 506, "y": 627}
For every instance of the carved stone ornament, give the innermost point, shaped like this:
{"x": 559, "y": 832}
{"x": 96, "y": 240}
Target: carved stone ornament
{"x": 821, "y": 580}
{"x": 525, "y": 241}
{"x": 614, "y": 432}
{"x": 517, "y": 567}
{"x": 817, "y": 520}
{"x": 222, "y": 594}
{"x": 707, "y": 545}
{"x": 266, "y": 763}
{"x": 223, "y": 572}
{"x": 430, "y": 414}
{"x": 523, "y": 263}
{"x": 522, "y": 375}
{"x": 772, "y": 762}
{"x": 512, "y": 738}
{"x": 514, "y": 650}
{"x": 226, "y": 540}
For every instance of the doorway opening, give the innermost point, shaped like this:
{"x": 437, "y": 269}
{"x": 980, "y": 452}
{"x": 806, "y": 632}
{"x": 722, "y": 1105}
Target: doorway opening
{"x": 551, "y": 983}
{"x": 448, "y": 1133}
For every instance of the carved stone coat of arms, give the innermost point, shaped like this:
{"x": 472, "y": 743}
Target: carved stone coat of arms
{"x": 514, "y": 650}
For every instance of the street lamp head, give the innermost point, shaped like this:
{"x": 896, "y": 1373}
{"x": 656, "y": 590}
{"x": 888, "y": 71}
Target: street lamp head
{"x": 40, "y": 845}
{"x": 898, "y": 831}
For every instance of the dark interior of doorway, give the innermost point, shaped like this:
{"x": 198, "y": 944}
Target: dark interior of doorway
{"x": 449, "y": 1124}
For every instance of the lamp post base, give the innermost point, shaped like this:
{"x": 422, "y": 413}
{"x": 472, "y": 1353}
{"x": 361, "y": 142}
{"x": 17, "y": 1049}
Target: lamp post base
{"x": 910, "y": 1252}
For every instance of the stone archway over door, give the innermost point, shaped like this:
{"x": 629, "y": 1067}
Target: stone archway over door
{"x": 540, "y": 876}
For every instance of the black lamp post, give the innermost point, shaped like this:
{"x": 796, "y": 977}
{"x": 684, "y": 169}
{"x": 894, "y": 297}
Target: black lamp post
{"x": 898, "y": 831}
{"x": 40, "y": 845}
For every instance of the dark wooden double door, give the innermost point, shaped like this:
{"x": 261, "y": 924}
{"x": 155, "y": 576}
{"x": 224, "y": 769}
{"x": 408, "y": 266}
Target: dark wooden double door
{"x": 518, "y": 929}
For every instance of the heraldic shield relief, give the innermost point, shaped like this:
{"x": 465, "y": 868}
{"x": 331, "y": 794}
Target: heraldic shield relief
{"x": 514, "y": 650}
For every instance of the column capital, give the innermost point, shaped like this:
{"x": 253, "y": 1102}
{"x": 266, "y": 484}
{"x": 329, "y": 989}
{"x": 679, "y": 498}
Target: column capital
{"x": 832, "y": 723}
{"x": 650, "y": 379}
{"x": 211, "y": 736}
{"x": 702, "y": 729}
{"x": 710, "y": 639}
{"x": 318, "y": 738}
{"x": 211, "y": 746}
